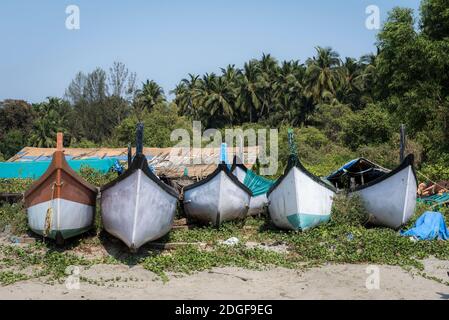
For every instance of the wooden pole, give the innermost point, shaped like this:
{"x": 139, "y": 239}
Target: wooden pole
{"x": 129, "y": 155}
{"x": 59, "y": 141}
{"x": 139, "y": 139}
{"x": 402, "y": 146}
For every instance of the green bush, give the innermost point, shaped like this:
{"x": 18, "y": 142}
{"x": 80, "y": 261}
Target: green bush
{"x": 331, "y": 119}
{"x": 14, "y": 217}
{"x": 12, "y": 142}
{"x": 15, "y": 185}
{"x": 349, "y": 210}
{"x": 371, "y": 125}
{"x": 95, "y": 177}
{"x": 435, "y": 172}
{"x": 158, "y": 126}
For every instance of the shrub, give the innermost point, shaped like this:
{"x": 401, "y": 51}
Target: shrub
{"x": 435, "y": 172}
{"x": 15, "y": 185}
{"x": 349, "y": 210}
{"x": 158, "y": 126}
{"x": 14, "y": 217}
{"x": 95, "y": 177}
{"x": 368, "y": 126}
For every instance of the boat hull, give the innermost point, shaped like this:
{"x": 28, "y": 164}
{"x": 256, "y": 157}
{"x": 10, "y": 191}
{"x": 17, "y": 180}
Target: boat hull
{"x": 137, "y": 210}
{"x": 299, "y": 202}
{"x": 218, "y": 200}
{"x": 392, "y": 201}
{"x": 60, "y": 203}
{"x": 68, "y": 218}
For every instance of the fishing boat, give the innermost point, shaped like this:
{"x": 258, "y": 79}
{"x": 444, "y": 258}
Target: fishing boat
{"x": 60, "y": 204}
{"x": 218, "y": 198}
{"x": 299, "y": 200}
{"x": 389, "y": 196}
{"x": 138, "y": 207}
{"x": 258, "y": 185}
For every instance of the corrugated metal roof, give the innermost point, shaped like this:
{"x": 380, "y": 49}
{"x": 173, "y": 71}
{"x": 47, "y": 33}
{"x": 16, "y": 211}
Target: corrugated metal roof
{"x": 169, "y": 162}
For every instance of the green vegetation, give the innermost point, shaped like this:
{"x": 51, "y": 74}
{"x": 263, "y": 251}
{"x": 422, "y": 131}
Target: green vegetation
{"x": 15, "y": 185}
{"x": 40, "y": 262}
{"x": 349, "y": 211}
{"x": 92, "y": 176}
{"x": 13, "y": 216}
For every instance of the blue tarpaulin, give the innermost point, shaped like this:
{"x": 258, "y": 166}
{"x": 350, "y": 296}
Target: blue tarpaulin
{"x": 429, "y": 226}
{"x": 33, "y": 170}
{"x": 257, "y": 184}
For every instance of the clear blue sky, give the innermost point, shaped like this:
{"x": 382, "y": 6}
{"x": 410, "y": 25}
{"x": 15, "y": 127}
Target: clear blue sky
{"x": 165, "y": 40}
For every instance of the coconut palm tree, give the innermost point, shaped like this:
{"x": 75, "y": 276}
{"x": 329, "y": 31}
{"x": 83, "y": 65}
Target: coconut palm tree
{"x": 218, "y": 98}
{"x": 269, "y": 68}
{"x": 230, "y": 74}
{"x": 187, "y": 94}
{"x": 250, "y": 93}
{"x": 43, "y": 135}
{"x": 322, "y": 75}
{"x": 289, "y": 92}
{"x": 150, "y": 95}
{"x": 351, "y": 82}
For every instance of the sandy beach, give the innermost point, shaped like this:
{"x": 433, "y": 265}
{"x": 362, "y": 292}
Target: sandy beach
{"x": 328, "y": 282}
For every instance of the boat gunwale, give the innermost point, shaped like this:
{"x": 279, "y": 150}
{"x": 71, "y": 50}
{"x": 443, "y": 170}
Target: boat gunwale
{"x": 298, "y": 165}
{"x": 357, "y": 160}
{"x": 408, "y": 161}
{"x": 64, "y": 166}
{"x": 220, "y": 167}
{"x": 238, "y": 165}
{"x": 140, "y": 162}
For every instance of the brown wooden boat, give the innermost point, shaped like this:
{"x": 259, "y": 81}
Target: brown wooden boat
{"x": 60, "y": 204}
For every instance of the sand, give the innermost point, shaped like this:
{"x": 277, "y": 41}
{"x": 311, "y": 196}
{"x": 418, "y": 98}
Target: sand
{"x": 327, "y": 282}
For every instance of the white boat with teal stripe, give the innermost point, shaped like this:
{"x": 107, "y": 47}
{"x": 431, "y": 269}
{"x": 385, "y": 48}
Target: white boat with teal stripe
{"x": 299, "y": 200}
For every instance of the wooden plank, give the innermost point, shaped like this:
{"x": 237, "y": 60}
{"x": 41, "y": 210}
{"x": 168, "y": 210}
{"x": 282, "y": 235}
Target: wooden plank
{"x": 11, "y": 197}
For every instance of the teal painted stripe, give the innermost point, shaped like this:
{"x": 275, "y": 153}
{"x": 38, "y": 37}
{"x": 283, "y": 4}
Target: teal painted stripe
{"x": 301, "y": 221}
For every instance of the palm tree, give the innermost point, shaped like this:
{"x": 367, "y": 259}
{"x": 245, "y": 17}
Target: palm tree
{"x": 250, "y": 89}
{"x": 43, "y": 135}
{"x": 289, "y": 92}
{"x": 368, "y": 75}
{"x": 187, "y": 95}
{"x": 230, "y": 74}
{"x": 322, "y": 75}
{"x": 52, "y": 118}
{"x": 269, "y": 69}
{"x": 218, "y": 98}
{"x": 150, "y": 95}
{"x": 351, "y": 82}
